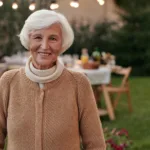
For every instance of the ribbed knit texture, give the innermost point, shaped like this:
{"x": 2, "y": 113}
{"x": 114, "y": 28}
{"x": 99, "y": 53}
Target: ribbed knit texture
{"x": 44, "y": 78}
{"x": 52, "y": 118}
{"x": 41, "y": 73}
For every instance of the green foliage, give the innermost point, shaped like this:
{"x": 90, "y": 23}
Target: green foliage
{"x": 82, "y": 39}
{"x": 91, "y": 37}
{"x": 11, "y": 22}
{"x": 102, "y": 36}
{"x": 131, "y": 44}
{"x": 134, "y": 5}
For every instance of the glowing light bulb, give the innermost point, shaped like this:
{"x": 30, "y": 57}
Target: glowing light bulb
{"x": 74, "y": 4}
{"x": 32, "y": 6}
{"x": 1, "y": 3}
{"x": 14, "y": 5}
{"x": 54, "y": 6}
{"x": 101, "y": 2}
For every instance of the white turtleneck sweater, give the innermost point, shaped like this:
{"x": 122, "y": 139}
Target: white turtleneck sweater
{"x": 43, "y": 76}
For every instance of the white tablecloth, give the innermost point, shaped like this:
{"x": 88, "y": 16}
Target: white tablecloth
{"x": 96, "y": 76}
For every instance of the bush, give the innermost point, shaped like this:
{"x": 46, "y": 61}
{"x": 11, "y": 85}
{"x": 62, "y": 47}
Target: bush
{"x": 117, "y": 139}
{"x": 11, "y": 22}
{"x": 130, "y": 42}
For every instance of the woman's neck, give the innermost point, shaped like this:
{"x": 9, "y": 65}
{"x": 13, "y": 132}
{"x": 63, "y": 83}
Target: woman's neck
{"x": 41, "y": 67}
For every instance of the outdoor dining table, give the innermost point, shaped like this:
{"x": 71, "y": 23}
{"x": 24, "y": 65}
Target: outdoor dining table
{"x": 100, "y": 77}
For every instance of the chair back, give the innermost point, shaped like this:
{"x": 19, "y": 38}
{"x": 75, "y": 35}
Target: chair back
{"x": 126, "y": 73}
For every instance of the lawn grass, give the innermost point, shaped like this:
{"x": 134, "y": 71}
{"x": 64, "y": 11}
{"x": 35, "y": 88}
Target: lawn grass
{"x": 138, "y": 122}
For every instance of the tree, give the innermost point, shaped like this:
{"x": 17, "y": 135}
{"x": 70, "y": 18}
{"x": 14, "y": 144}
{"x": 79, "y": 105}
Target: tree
{"x": 11, "y": 22}
{"x": 131, "y": 41}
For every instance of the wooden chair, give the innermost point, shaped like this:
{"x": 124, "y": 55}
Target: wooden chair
{"x": 123, "y": 88}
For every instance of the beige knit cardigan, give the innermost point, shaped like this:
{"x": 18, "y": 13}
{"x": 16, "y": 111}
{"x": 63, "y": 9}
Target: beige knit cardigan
{"x": 52, "y": 118}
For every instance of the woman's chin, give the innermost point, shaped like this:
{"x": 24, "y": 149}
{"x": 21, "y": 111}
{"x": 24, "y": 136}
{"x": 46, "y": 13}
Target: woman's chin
{"x": 45, "y": 62}
{"x": 44, "y": 65}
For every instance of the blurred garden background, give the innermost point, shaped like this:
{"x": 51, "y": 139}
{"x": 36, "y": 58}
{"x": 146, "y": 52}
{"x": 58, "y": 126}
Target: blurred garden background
{"x": 129, "y": 42}
{"x": 126, "y": 38}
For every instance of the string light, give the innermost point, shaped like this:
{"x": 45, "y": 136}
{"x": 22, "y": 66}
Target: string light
{"x": 54, "y": 5}
{"x": 15, "y": 5}
{"x": 74, "y": 3}
{"x": 32, "y": 6}
{"x": 101, "y": 2}
{"x": 1, "y": 3}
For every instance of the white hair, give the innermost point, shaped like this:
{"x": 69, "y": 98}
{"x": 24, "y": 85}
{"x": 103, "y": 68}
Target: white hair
{"x": 45, "y": 18}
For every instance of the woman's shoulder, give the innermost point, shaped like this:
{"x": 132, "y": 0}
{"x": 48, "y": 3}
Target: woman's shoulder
{"x": 78, "y": 76}
{"x": 8, "y": 75}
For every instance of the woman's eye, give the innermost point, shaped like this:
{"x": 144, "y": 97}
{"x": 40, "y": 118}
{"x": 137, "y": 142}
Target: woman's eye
{"x": 38, "y": 37}
{"x": 52, "y": 38}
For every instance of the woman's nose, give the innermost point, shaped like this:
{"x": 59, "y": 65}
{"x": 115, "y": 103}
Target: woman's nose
{"x": 45, "y": 44}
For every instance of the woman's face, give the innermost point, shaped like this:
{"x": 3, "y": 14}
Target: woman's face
{"x": 45, "y": 45}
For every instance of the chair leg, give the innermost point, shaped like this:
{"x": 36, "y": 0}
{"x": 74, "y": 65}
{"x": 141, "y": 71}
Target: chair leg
{"x": 108, "y": 104}
{"x": 115, "y": 102}
{"x": 96, "y": 93}
{"x": 129, "y": 101}
{"x": 99, "y": 102}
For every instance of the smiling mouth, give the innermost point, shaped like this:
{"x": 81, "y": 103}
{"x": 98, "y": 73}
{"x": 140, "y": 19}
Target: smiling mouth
{"x": 44, "y": 53}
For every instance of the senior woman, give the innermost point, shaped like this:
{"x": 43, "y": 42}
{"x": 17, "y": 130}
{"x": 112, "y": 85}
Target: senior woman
{"x": 44, "y": 106}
